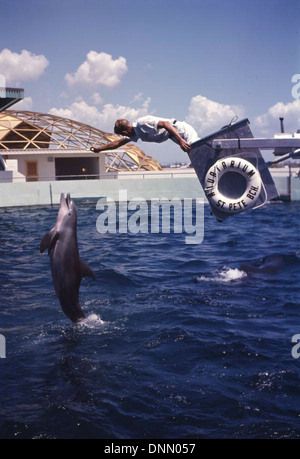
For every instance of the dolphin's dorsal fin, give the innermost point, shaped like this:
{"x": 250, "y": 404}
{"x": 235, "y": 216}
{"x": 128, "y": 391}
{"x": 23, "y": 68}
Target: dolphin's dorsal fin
{"x": 86, "y": 270}
{"x": 49, "y": 240}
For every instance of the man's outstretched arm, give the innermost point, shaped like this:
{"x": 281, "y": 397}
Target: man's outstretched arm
{"x": 173, "y": 131}
{"x": 111, "y": 145}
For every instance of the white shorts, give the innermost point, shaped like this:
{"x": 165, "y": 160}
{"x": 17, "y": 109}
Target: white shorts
{"x": 186, "y": 131}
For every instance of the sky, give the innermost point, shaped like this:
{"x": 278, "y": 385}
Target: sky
{"x": 199, "y": 61}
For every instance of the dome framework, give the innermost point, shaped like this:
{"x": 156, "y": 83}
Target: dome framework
{"x": 26, "y": 130}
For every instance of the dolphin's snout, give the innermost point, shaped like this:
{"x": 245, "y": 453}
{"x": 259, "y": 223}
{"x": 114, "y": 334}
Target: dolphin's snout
{"x": 68, "y": 200}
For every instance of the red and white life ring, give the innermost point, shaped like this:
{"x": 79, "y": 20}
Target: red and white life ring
{"x": 248, "y": 197}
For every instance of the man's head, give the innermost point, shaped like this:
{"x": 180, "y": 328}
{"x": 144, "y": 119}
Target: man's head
{"x": 124, "y": 127}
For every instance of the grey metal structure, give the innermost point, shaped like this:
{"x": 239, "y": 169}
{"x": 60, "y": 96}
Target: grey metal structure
{"x": 9, "y": 97}
{"x": 234, "y": 140}
{"x": 284, "y": 144}
{"x": 280, "y": 146}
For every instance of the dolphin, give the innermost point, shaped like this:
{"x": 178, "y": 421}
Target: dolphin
{"x": 66, "y": 267}
{"x": 271, "y": 264}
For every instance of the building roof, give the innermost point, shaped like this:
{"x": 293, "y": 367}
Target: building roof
{"x": 25, "y": 130}
{"x": 9, "y": 97}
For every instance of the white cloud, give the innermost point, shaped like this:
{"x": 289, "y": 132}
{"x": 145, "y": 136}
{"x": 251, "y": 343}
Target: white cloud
{"x": 138, "y": 97}
{"x": 98, "y": 69}
{"x": 104, "y": 119}
{"x": 62, "y": 112}
{"x": 268, "y": 123}
{"x": 207, "y": 116}
{"x": 96, "y": 98}
{"x": 24, "y": 104}
{"x": 146, "y": 103}
{"x": 21, "y": 67}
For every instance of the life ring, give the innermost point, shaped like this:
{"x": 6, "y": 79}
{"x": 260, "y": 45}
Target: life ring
{"x": 251, "y": 185}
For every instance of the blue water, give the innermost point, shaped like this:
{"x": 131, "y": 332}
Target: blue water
{"x": 189, "y": 345}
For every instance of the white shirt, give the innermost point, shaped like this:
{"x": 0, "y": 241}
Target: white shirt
{"x": 146, "y": 129}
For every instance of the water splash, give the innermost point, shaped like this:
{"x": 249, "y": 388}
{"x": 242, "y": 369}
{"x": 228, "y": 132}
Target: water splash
{"x": 225, "y": 275}
{"x": 92, "y": 321}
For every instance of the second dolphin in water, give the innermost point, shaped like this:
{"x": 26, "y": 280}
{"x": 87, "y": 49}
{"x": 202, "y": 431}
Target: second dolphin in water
{"x": 66, "y": 267}
{"x": 271, "y": 264}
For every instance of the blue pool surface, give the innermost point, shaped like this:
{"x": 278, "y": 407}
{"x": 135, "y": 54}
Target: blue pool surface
{"x": 179, "y": 341}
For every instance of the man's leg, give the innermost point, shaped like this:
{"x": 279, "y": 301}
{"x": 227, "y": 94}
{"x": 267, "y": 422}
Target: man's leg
{"x": 190, "y": 135}
{"x": 186, "y": 131}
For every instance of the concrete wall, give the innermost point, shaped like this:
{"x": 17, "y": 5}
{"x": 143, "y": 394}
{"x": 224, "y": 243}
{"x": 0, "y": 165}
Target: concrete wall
{"x": 39, "y": 193}
{"x": 295, "y": 189}
{"x": 282, "y": 185}
{"x": 146, "y": 185}
{"x": 6, "y": 176}
{"x": 287, "y": 182}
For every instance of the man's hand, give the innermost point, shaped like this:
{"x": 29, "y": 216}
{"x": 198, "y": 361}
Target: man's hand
{"x": 184, "y": 145}
{"x": 94, "y": 149}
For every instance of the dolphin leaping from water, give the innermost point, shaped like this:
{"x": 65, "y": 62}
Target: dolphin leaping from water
{"x": 66, "y": 267}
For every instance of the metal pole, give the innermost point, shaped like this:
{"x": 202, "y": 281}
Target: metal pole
{"x": 283, "y": 158}
{"x": 281, "y": 125}
{"x": 51, "y": 200}
{"x": 290, "y": 183}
